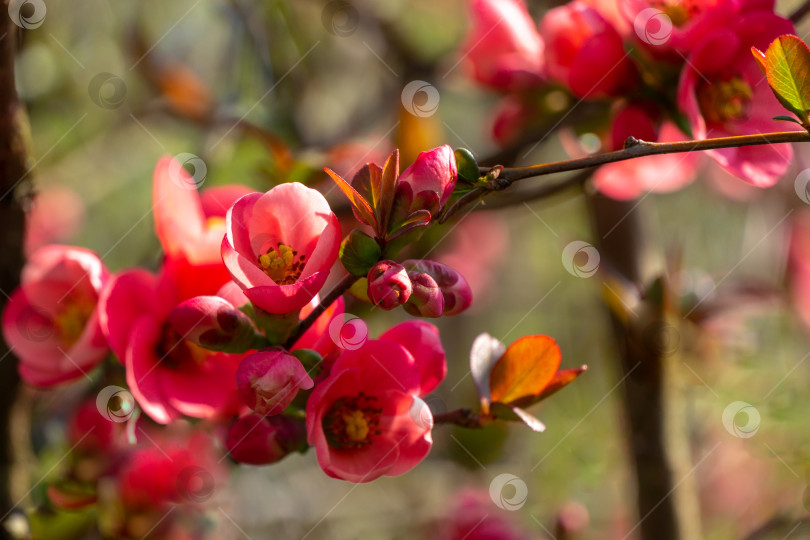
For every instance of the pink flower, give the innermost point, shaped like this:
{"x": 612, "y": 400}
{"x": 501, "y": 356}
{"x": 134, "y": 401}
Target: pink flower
{"x": 456, "y": 293}
{"x": 280, "y": 246}
{"x": 51, "y": 321}
{"x": 632, "y": 178}
{"x": 503, "y": 47}
{"x": 365, "y": 420}
{"x": 421, "y": 339}
{"x": 721, "y": 95}
{"x": 585, "y": 52}
{"x": 269, "y": 380}
{"x": 167, "y": 374}
{"x": 669, "y": 28}
{"x": 261, "y": 440}
{"x": 162, "y": 485}
{"x": 187, "y": 225}
{"x": 388, "y": 285}
{"x": 429, "y": 181}
{"x": 56, "y": 215}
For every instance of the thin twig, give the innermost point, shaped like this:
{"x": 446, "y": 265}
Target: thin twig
{"x": 343, "y": 286}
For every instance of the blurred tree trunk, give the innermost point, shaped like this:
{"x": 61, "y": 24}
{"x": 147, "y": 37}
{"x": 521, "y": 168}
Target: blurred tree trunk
{"x": 656, "y": 432}
{"x": 13, "y": 173}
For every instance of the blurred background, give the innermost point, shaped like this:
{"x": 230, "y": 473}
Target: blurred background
{"x": 267, "y": 92}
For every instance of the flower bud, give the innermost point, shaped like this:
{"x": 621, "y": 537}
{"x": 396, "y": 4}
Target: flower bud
{"x": 455, "y": 290}
{"x": 429, "y": 182}
{"x": 259, "y": 440}
{"x": 269, "y": 380}
{"x": 213, "y": 323}
{"x": 426, "y": 299}
{"x": 388, "y": 285}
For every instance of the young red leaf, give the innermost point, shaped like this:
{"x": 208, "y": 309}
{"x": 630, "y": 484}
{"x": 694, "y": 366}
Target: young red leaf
{"x": 525, "y": 369}
{"x": 360, "y": 207}
{"x": 787, "y": 66}
{"x": 561, "y": 379}
{"x": 388, "y": 184}
{"x": 759, "y": 56}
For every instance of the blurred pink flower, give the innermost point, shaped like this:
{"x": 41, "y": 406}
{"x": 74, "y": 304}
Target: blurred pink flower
{"x": 270, "y": 379}
{"x": 365, "y": 419}
{"x": 665, "y": 173}
{"x": 280, "y": 246}
{"x": 56, "y": 215}
{"x": 51, "y": 321}
{"x": 721, "y": 95}
{"x": 213, "y": 323}
{"x": 585, "y": 53}
{"x": 473, "y": 516}
{"x": 260, "y": 440}
{"x": 167, "y": 374}
{"x": 502, "y": 47}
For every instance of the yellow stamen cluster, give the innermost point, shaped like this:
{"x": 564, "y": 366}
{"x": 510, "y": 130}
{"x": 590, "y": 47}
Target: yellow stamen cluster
{"x": 725, "y": 100}
{"x": 351, "y": 422}
{"x": 283, "y": 265}
{"x": 71, "y": 320}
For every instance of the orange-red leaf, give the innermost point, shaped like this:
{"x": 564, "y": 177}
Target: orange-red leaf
{"x": 561, "y": 379}
{"x": 362, "y": 210}
{"x": 525, "y": 369}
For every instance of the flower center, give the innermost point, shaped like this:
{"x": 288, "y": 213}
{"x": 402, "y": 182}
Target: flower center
{"x": 176, "y": 352}
{"x": 724, "y": 100}
{"x": 283, "y": 265}
{"x": 678, "y": 11}
{"x": 71, "y": 320}
{"x": 351, "y": 421}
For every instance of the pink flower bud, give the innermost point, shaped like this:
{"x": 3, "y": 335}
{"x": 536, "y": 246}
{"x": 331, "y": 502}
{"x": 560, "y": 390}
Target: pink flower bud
{"x": 426, "y": 299}
{"x": 214, "y": 323}
{"x": 455, "y": 291}
{"x": 585, "y": 52}
{"x": 388, "y": 285}
{"x": 429, "y": 182}
{"x": 269, "y": 380}
{"x": 260, "y": 440}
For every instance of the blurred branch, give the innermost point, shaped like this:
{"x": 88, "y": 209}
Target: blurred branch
{"x": 463, "y": 417}
{"x": 656, "y": 434}
{"x": 800, "y": 12}
{"x": 13, "y": 172}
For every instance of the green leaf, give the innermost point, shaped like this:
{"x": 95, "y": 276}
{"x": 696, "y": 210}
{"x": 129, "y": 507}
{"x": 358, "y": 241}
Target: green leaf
{"x": 786, "y": 118}
{"x": 787, "y": 66}
{"x": 359, "y": 252}
{"x": 467, "y": 166}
